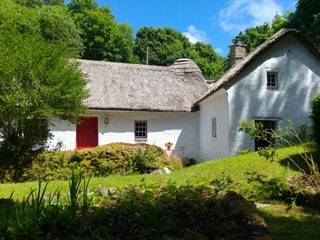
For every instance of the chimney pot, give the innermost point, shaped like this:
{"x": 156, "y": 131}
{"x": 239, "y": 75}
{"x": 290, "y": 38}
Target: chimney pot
{"x": 237, "y": 51}
{"x": 238, "y": 40}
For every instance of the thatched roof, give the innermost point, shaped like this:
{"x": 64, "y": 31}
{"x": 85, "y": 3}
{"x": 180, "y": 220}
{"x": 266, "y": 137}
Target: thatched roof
{"x": 234, "y": 71}
{"x": 122, "y": 86}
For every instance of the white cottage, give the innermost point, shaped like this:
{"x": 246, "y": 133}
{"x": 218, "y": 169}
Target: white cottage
{"x": 139, "y": 103}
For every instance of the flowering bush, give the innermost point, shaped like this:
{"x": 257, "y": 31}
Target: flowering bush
{"x": 168, "y": 144}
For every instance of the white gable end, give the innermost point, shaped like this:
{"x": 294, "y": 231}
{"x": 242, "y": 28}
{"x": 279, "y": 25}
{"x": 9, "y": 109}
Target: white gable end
{"x": 298, "y": 77}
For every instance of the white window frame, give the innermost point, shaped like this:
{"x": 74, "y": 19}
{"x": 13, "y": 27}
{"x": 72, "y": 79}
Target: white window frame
{"x": 138, "y": 137}
{"x": 272, "y": 80}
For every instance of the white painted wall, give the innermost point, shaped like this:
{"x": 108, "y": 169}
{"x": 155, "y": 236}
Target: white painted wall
{"x": 215, "y": 106}
{"x": 179, "y": 128}
{"x": 299, "y": 81}
{"x": 63, "y": 132}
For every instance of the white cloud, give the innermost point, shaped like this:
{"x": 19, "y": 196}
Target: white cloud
{"x": 194, "y": 35}
{"x": 219, "y": 51}
{"x": 242, "y": 14}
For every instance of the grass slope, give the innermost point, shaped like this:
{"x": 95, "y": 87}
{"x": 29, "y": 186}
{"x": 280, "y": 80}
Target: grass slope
{"x": 238, "y": 168}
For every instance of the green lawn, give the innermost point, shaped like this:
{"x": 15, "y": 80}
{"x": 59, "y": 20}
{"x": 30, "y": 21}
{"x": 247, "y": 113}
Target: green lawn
{"x": 231, "y": 173}
{"x": 237, "y": 168}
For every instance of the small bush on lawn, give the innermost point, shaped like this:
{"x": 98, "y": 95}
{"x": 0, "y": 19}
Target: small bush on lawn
{"x": 110, "y": 159}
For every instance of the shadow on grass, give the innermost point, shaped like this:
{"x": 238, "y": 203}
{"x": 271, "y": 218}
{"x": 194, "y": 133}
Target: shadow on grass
{"x": 292, "y": 224}
{"x": 293, "y": 161}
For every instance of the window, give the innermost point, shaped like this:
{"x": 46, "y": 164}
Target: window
{"x": 213, "y": 127}
{"x": 140, "y": 129}
{"x": 272, "y": 80}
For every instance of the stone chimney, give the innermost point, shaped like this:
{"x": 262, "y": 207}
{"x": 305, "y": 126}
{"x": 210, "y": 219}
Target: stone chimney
{"x": 237, "y": 51}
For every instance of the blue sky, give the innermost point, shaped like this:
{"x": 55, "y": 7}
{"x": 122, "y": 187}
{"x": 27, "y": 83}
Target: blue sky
{"x": 214, "y": 22}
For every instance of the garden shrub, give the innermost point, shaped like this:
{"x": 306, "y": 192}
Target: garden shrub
{"x": 295, "y": 190}
{"x": 315, "y": 117}
{"x": 110, "y": 159}
{"x": 157, "y": 211}
{"x": 302, "y": 134}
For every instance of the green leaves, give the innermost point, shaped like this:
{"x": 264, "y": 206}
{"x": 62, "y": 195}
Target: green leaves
{"x": 57, "y": 26}
{"x": 103, "y": 37}
{"x": 37, "y": 80}
{"x": 307, "y": 19}
{"x": 315, "y": 117}
{"x": 165, "y": 45}
{"x": 255, "y": 36}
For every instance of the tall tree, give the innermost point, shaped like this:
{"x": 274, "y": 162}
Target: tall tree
{"x": 57, "y": 26}
{"x": 103, "y": 38}
{"x": 125, "y": 43}
{"x": 14, "y": 17}
{"x": 307, "y": 19}
{"x": 211, "y": 64}
{"x": 53, "y": 22}
{"x": 39, "y": 3}
{"x": 253, "y": 37}
{"x": 164, "y": 45}
{"x": 30, "y": 3}
{"x": 79, "y": 6}
{"x": 37, "y": 80}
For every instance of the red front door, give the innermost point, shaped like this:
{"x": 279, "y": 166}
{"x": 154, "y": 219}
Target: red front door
{"x": 87, "y": 132}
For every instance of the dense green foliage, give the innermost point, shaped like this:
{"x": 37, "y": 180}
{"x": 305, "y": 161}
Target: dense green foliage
{"x": 57, "y": 26}
{"x": 315, "y": 117}
{"x": 39, "y": 3}
{"x": 103, "y": 37}
{"x": 253, "y": 37}
{"x": 80, "y": 6}
{"x": 211, "y": 64}
{"x": 307, "y": 19}
{"x": 52, "y": 22}
{"x": 165, "y": 45}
